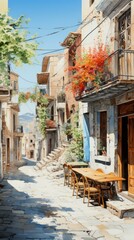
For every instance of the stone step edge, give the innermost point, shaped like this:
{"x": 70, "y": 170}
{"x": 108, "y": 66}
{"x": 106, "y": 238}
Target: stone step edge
{"x": 120, "y": 209}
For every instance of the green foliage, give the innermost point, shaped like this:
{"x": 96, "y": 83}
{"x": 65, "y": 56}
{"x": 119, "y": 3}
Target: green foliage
{"x": 42, "y": 114}
{"x": 76, "y": 146}
{"x": 75, "y": 149}
{"x": 22, "y": 98}
{"x": 67, "y": 129}
{"x": 14, "y": 47}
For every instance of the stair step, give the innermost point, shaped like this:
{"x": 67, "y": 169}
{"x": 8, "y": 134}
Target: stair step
{"x": 61, "y": 148}
{"x": 51, "y": 155}
{"x": 54, "y": 152}
{"x": 40, "y": 165}
{"x": 49, "y": 158}
{"x": 65, "y": 145}
{"x": 57, "y": 150}
{"x": 36, "y": 168}
{"x": 45, "y": 159}
{"x": 121, "y": 209}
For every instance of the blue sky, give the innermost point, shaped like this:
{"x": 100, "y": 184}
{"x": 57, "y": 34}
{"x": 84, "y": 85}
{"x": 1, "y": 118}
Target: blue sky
{"x": 46, "y": 17}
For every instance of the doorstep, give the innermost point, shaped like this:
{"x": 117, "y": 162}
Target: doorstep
{"x": 122, "y": 207}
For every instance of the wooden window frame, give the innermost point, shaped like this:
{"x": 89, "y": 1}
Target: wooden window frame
{"x": 102, "y": 133}
{"x": 124, "y": 30}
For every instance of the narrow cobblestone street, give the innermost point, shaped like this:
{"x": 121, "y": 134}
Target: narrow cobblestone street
{"x": 36, "y": 205}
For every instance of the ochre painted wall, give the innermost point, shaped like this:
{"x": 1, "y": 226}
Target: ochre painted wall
{"x": 3, "y": 6}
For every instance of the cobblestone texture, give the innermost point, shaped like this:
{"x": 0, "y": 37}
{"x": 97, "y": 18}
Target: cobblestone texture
{"x": 35, "y": 205}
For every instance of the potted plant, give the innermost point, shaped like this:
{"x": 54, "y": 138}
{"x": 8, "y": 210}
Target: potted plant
{"x": 61, "y": 96}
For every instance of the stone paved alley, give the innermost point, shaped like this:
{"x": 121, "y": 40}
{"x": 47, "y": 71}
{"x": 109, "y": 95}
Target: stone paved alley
{"x": 36, "y": 205}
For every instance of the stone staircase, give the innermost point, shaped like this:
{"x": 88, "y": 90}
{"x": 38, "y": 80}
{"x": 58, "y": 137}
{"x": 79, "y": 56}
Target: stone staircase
{"x": 52, "y": 158}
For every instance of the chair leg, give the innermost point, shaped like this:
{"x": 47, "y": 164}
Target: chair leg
{"x": 88, "y": 198}
{"x": 68, "y": 181}
{"x": 99, "y": 198}
{"x": 77, "y": 192}
{"x": 73, "y": 190}
{"x": 84, "y": 197}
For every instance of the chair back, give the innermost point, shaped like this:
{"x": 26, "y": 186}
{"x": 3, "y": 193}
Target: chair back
{"x": 99, "y": 170}
{"x": 74, "y": 177}
{"x": 112, "y": 173}
{"x": 85, "y": 182}
{"x": 65, "y": 167}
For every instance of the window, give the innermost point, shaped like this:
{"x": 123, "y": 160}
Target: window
{"x": 14, "y": 122}
{"x": 15, "y": 85}
{"x": 102, "y": 133}
{"x": 125, "y": 30}
{"x": 91, "y": 2}
{"x": 43, "y": 91}
{"x": 52, "y": 113}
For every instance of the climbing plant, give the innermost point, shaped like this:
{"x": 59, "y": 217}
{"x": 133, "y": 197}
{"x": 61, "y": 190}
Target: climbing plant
{"x": 75, "y": 149}
{"x": 42, "y": 114}
{"x": 42, "y": 103}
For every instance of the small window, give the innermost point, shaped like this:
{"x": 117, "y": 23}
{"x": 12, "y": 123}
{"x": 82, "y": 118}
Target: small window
{"x": 52, "y": 113}
{"x": 102, "y": 133}
{"x": 15, "y": 86}
{"x": 43, "y": 91}
{"x": 14, "y": 122}
{"x": 91, "y": 2}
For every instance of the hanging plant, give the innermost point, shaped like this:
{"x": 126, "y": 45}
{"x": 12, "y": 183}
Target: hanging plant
{"x": 22, "y": 97}
{"x": 88, "y": 68}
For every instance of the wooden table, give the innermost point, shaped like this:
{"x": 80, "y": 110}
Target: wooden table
{"x": 98, "y": 177}
{"x": 77, "y": 164}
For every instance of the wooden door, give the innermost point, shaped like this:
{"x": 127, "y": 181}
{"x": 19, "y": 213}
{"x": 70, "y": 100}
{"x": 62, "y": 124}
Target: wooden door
{"x": 120, "y": 152}
{"x": 131, "y": 154}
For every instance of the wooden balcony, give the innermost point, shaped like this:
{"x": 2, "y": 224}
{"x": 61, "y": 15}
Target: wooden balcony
{"x": 42, "y": 78}
{"x": 118, "y": 78}
{"x": 4, "y": 94}
{"x": 50, "y": 125}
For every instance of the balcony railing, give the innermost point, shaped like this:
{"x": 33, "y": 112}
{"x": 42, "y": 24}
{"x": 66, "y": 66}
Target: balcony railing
{"x": 19, "y": 129}
{"x": 18, "y": 132}
{"x": 120, "y": 66}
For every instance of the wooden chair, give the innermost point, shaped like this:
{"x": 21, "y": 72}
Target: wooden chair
{"x": 70, "y": 175}
{"x": 105, "y": 188}
{"x": 77, "y": 184}
{"x": 99, "y": 170}
{"x": 90, "y": 191}
{"x": 67, "y": 174}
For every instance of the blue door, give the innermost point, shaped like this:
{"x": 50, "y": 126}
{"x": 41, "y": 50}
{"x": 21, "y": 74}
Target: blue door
{"x": 86, "y": 137}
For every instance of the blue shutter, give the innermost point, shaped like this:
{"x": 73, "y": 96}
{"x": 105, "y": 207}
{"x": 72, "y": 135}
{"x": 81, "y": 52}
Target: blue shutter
{"x": 86, "y": 136}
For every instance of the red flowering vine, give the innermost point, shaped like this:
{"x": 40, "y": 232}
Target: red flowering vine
{"x": 88, "y": 68}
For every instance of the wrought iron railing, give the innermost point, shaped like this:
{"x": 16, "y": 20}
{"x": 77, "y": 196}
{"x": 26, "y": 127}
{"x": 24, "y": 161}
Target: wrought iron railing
{"x": 19, "y": 129}
{"x": 119, "y": 65}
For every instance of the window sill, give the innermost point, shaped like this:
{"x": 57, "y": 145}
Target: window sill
{"x": 103, "y": 159}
